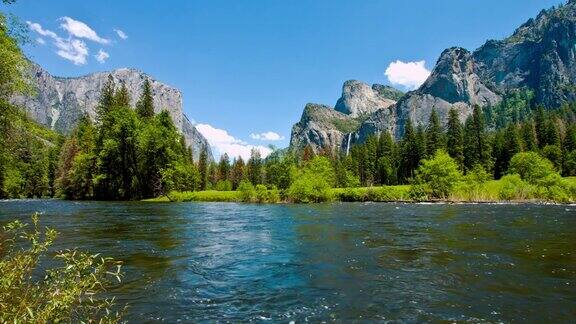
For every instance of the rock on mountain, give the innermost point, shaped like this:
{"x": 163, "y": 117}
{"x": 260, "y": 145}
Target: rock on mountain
{"x": 452, "y": 83}
{"x": 540, "y": 55}
{"x": 322, "y": 126}
{"x": 359, "y": 99}
{"x": 59, "y": 102}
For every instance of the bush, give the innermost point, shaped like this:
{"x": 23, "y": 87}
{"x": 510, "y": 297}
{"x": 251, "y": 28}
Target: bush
{"x": 71, "y": 292}
{"x": 554, "y": 188}
{"x": 247, "y": 191}
{"x": 513, "y": 188}
{"x": 314, "y": 181}
{"x": 223, "y": 185}
{"x": 273, "y": 195}
{"x": 261, "y": 193}
{"x": 530, "y": 166}
{"x": 437, "y": 176}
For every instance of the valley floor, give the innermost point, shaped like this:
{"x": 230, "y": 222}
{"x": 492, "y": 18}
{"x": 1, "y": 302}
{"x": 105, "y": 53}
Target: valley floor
{"x": 488, "y": 192}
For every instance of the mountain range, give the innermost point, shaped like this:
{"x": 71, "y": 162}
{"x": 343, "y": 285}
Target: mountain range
{"x": 58, "y": 103}
{"x": 539, "y": 56}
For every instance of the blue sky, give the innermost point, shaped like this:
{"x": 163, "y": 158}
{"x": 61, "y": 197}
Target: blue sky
{"x": 249, "y": 67}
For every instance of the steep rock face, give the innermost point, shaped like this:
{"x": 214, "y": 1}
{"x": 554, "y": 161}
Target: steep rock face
{"x": 321, "y": 126}
{"x": 359, "y": 99}
{"x": 59, "y": 102}
{"x": 540, "y": 55}
{"x": 453, "y": 83}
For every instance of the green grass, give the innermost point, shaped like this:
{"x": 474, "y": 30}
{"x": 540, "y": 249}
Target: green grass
{"x": 489, "y": 191}
{"x": 377, "y": 194}
{"x": 208, "y": 195}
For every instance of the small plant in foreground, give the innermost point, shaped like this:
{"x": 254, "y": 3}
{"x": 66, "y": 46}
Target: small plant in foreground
{"x": 71, "y": 292}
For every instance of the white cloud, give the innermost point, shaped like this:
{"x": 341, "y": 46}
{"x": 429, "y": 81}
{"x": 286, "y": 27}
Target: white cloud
{"x": 102, "y": 56}
{"x": 407, "y": 74}
{"x": 81, "y": 30}
{"x": 38, "y": 28}
{"x": 71, "y": 49}
{"x": 40, "y": 41}
{"x": 222, "y": 142}
{"x": 121, "y": 34}
{"x": 267, "y": 136}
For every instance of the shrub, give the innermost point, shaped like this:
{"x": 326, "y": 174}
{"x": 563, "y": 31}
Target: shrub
{"x": 309, "y": 189}
{"x": 437, "y": 176}
{"x": 261, "y": 193}
{"x": 223, "y": 185}
{"x": 554, "y": 188}
{"x": 247, "y": 191}
{"x": 273, "y": 195}
{"x": 513, "y": 188}
{"x": 313, "y": 182}
{"x": 71, "y": 292}
{"x": 530, "y": 166}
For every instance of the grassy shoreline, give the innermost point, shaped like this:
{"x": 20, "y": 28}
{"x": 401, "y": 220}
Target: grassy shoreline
{"x": 488, "y": 192}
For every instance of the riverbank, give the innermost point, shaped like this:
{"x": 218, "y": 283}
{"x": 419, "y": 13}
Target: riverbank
{"x": 494, "y": 191}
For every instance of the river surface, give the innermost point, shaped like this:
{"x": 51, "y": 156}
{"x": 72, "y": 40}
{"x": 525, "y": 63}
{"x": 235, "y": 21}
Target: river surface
{"x": 195, "y": 262}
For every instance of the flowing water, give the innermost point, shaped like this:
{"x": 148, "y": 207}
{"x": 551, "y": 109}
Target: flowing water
{"x": 342, "y": 261}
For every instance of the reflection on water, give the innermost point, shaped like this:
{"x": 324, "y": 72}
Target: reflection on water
{"x": 207, "y": 261}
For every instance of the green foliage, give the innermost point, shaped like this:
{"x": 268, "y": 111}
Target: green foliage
{"x": 223, "y": 185}
{"x": 434, "y": 135}
{"x": 515, "y": 107}
{"x": 530, "y": 166}
{"x": 145, "y": 105}
{"x": 514, "y": 188}
{"x": 247, "y": 191}
{"x": 261, "y": 193}
{"x": 13, "y": 63}
{"x": 313, "y": 182}
{"x": 180, "y": 176}
{"x": 254, "y": 167}
{"x": 203, "y": 168}
{"x": 455, "y": 138}
{"x": 438, "y": 175}
{"x": 70, "y": 292}
{"x": 476, "y": 144}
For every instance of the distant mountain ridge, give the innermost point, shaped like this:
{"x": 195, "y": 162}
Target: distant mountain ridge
{"x": 540, "y": 55}
{"x": 59, "y": 102}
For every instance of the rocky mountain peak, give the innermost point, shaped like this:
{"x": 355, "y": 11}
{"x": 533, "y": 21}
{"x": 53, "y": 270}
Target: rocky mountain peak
{"x": 59, "y": 102}
{"x": 360, "y": 99}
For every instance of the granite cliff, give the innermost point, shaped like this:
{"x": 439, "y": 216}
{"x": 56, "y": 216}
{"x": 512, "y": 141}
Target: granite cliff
{"x": 58, "y": 102}
{"x": 540, "y": 55}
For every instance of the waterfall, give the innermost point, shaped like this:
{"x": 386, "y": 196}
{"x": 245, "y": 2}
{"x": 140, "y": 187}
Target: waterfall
{"x": 348, "y": 145}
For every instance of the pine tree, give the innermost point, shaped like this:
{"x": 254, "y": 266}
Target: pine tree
{"x": 434, "y": 134}
{"x": 145, "y": 106}
{"x": 413, "y": 149}
{"x": 455, "y": 138}
{"x": 540, "y": 121}
{"x": 371, "y": 160}
{"x": 238, "y": 172}
{"x": 212, "y": 175}
{"x": 476, "y": 144}
{"x": 254, "y": 167}
{"x": 224, "y": 168}
{"x": 106, "y": 100}
{"x": 506, "y": 144}
{"x": 203, "y": 168}
{"x": 122, "y": 97}
{"x": 528, "y": 134}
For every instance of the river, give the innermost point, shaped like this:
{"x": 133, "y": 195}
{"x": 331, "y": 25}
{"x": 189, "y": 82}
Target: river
{"x": 340, "y": 261}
